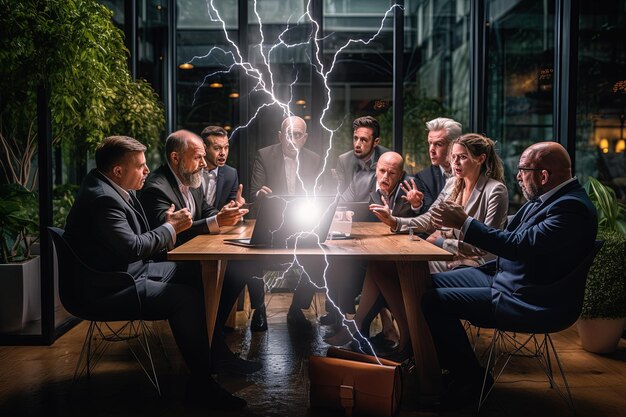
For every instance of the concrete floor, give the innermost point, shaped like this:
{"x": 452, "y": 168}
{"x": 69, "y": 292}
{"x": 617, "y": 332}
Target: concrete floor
{"x": 37, "y": 381}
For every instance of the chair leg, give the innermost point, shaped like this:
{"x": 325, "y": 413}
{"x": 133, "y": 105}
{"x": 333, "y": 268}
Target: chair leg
{"x": 141, "y": 333}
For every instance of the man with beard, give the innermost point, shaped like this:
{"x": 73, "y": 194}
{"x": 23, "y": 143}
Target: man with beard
{"x": 178, "y": 183}
{"x": 108, "y": 230}
{"x": 221, "y": 185}
{"x": 558, "y": 224}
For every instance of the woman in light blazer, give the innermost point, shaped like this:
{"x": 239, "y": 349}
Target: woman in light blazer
{"x": 478, "y": 186}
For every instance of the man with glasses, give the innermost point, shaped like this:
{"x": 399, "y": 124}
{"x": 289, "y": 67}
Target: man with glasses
{"x": 558, "y": 224}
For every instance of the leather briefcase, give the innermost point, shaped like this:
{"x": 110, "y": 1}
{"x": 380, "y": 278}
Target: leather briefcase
{"x": 356, "y": 383}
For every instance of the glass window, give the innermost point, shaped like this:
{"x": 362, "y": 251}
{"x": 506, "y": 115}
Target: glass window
{"x": 601, "y": 98}
{"x": 519, "y": 77}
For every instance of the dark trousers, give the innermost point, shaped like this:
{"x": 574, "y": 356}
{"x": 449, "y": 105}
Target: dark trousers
{"x": 463, "y": 294}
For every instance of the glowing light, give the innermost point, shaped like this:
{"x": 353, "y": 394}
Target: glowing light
{"x": 604, "y": 145}
{"x": 620, "y": 146}
{"x": 300, "y": 102}
{"x": 228, "y": 128}
{"x": 307, "y": 117}
{"x": 234, "y": 94}
{"x": 216, "y": 85}
{"x": 186, "y": 66}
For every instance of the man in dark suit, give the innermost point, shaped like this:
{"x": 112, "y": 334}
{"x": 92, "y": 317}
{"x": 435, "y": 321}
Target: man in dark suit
{"x": 221, "y": 185}
{"x": 557, "y": 225}
{"x": 108, "y": 229}
{"x": 287, "y": 168}
{"x": 178, "y": 183}
{"x": 359, "y": 164}
{"x": 430, "y": 181}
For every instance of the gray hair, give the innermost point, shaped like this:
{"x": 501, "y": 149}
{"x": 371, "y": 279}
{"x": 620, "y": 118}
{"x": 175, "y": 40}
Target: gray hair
{"x": 451, "y": 127}
{"x": 179, "y": 142}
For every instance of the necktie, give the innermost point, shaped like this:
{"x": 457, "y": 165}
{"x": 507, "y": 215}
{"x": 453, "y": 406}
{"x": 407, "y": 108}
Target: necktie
{"x": 211, "y": 188}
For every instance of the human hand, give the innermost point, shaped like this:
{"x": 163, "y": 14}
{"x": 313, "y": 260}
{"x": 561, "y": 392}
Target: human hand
{"x": 448, "y": 214}
{"x": 230, "y": 214}
{"x": 181, "y": 220}
{"x": 265, "y": 190}
{"x": 434, "y": 236}
{"x": 383, "y": 213}
{"x": 412, "y": 194}
{"x": 239, "y": 199}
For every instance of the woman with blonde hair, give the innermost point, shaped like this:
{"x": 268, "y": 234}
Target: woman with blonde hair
{"x": 478, "y": 186}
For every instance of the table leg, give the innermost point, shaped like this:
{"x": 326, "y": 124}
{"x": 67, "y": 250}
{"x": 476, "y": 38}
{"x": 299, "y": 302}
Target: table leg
{"x": 414, "y": 281}
{"x": 212, "y": 280}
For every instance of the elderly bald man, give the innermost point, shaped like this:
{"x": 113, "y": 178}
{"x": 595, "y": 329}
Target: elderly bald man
{"x": 557, "y": 224}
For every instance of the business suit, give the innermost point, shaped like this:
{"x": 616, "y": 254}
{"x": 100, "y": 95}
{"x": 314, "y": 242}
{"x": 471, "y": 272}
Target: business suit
{"x": 488, "y": 203}
{"x": 535, "y": 250}
{"x": 348, "y": 165}
{"x": 269, "y": 170}
{"x": 161, "y": 191}
{"x": 111, "y": 234}
{"x": 430, "y": 181}
{"x": 226, "y": 186}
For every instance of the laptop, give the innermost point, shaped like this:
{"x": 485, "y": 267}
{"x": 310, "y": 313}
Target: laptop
{"x": 361, "y": 210}
{"x": 286, "y": 221}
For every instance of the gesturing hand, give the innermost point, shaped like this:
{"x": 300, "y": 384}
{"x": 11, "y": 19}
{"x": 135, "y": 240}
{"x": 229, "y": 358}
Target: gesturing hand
{"x": 264, "y": 191}
{"x": 448, "y": 214}
{"x": 239, "y": 199}
{"x": 383, "y": 213}
{"x": 412, "y": 194}
{"x": 230, "y": 214}
{"x": 181, "y": 220}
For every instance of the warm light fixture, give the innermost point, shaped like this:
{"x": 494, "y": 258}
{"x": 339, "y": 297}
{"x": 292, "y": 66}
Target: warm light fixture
{"x": 234, "y": 94}
{"x": 604, "y": 145}
{"x": 186, "y": 66}
{"x": 216, "y": 85}
{"x": 307, "y": 117}
{"x": 620, "y": 146}
{"x": 228, "y": 128}
{"x": 300, "y": 102}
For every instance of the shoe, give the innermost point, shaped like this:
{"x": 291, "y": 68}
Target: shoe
{"x": 231, "y": 363}
{"x": 209, "y": 395}
{"x": 465, "y": 392}
{"x": 296, "y": 319}
{"x": 331, "y": 318}
{"x": 340, "y": 338}
{"x": 382, "y": 344}
{"x": 259, "y": 320}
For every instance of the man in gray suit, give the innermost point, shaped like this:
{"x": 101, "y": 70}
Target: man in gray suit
{"x": 359, "y": 164}
{"x": 108, "y": 229}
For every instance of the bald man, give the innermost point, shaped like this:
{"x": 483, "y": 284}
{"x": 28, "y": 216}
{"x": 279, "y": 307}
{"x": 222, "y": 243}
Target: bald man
{"x": 543, "y": 242}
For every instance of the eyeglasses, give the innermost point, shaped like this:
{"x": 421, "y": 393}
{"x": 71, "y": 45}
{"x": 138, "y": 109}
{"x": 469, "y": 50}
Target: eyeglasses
{"x": 296, "y": 135}
{"x": 519, "y": 169}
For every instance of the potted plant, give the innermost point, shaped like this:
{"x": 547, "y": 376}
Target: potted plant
{"x": 604, "y": 307}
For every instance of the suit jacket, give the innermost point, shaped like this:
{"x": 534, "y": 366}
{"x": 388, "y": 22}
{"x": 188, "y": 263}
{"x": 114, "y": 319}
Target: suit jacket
{"x": 540, "y": 246}
{"x": 348, "y": 165}
{"x": 429, "y": 181}
{"x": 489, "y": 203}
{"x": 401, "y": 207}
{"x": 227, "y": 183}
{"x": 161, "y": 191}
{"x": 109, "y": 234}
{"x": 269, "y": 170}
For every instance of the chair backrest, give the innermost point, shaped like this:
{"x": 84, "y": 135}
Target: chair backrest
{"x": 566, "y": 313}
{"x": 90, "y": 294}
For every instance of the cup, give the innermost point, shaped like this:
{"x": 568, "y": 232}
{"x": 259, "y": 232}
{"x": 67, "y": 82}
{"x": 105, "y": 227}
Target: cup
{"x": 413, "y": 233}
{"x": 341, "y": 226}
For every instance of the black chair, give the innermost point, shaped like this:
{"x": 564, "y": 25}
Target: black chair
{"x": 102, "y": 298}
{"x": 534, "y": 340}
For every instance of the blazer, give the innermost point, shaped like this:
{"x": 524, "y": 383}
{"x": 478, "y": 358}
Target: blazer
{"x": 269, "y": 170}
{"x": 227, "y": 183}
{"x": 348, "y": 164}
{"x": 429, "y": 181}
{"x": 109, "y": 234}
{"x": 489, "y": 203}
{"x": 401, "y": 207}
{"x": 161, "y": 191}
{"x": 540, "y": 246}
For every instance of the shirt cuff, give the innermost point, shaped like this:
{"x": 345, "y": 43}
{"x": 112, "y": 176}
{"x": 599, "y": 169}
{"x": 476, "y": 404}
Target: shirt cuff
{"x": 170, "y": 228}
{"x": 465, "y": 226}
{"x": 418, "y": 207}
{"x": 214, "y": 227}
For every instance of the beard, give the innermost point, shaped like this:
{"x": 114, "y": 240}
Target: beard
{"x": 532, "y": 192}
{"x": 189, "y": 178}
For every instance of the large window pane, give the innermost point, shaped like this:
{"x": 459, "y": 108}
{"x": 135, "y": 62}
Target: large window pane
{"x": 519, "y": 79}
{"x": 602, "y": 94}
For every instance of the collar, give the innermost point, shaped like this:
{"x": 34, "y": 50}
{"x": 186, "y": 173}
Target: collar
{"x": 446, "y": 174}
{"x": 178, "y": 182}
{"x": 214, "y": 171}
{"x": 545, "y": 196}
{"x": 122, "y": 192}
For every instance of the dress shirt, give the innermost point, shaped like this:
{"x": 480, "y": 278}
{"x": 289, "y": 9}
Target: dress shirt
{"x": 210, "y": 186}
{"x": 291, "y": 167}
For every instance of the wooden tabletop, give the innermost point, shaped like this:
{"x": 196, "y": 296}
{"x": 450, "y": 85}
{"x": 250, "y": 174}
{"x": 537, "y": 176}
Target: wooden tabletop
{"x": 371, "y": 240}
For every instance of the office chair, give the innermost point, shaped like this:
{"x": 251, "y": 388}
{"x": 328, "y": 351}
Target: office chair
{"x": 534, "y": 339}
{"x": 114, "y": 299}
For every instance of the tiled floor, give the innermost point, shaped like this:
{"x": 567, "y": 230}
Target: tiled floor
{"x": 37, "y": 381}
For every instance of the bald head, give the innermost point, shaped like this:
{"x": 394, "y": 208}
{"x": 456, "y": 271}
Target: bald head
{"x": 392, "y": 158}
{"x": 389, "y": 171}
{"x": 542, "y": 167}
{"x": 185, "y": 153}
{"x": 292, "y": 135}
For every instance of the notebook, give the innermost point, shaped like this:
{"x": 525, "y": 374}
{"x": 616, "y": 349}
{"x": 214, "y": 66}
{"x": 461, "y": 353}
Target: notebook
{"x": 286, "y": 221}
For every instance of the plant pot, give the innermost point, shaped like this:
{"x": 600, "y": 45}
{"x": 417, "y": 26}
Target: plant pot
{"x": 20, "y": 294}
{"x": 600, "y": 335}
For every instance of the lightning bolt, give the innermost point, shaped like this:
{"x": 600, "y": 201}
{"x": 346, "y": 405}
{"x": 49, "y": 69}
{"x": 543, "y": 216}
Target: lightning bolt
{"x": 263, "y": 83}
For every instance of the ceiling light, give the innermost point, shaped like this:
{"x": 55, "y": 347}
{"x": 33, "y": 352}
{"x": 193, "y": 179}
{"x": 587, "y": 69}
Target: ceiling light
{"x": 300, "y": 102}
{"x": 186, "y": 66}
{"x": 216, "y": 85}
{"x": 228, "y": 128}
{"x": 307, "y": 117}
{"x": 234, "y": 94}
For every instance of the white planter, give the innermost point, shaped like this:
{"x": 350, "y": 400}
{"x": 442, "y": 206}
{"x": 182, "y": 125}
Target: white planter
{"x": 20, "y": 294}
{"x": 600, "y": 335}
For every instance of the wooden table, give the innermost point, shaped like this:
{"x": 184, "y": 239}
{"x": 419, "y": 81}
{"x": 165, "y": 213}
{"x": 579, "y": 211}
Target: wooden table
{"x": 371, "y": 241}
